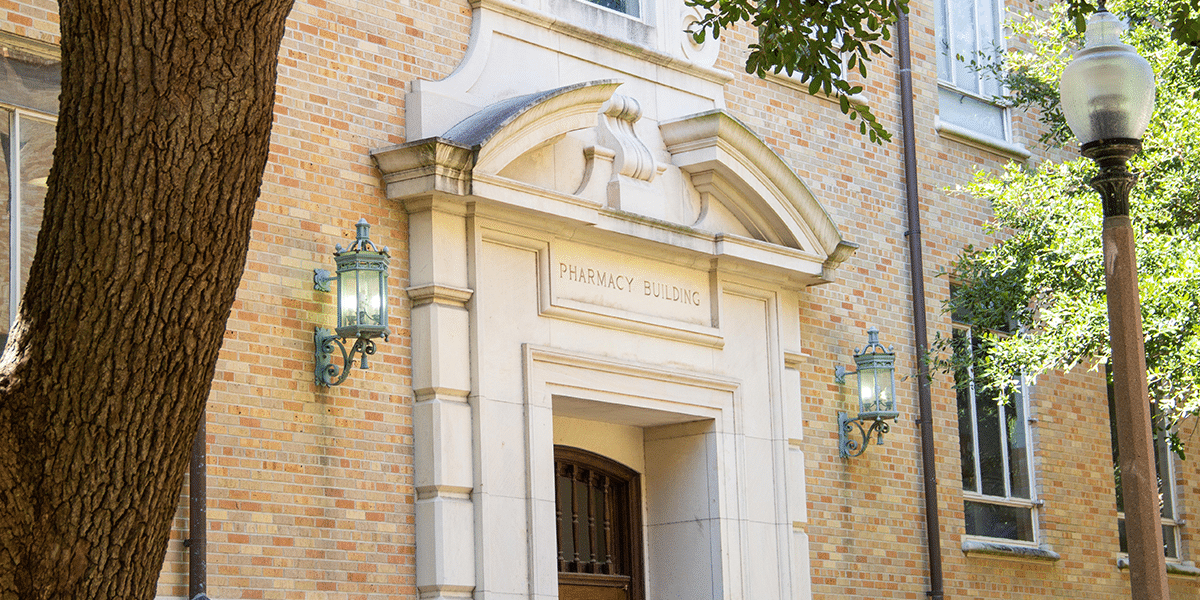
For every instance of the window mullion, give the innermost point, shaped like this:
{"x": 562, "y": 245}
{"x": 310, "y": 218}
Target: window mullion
{"x": 1027, "y": 435}
{"x": 974, "y": 420}
{"x": 1166, "y": 470}
{"x": 1005, "y": 461}
{"x": 978, "y": 83}
{"x": 951, "y": 53}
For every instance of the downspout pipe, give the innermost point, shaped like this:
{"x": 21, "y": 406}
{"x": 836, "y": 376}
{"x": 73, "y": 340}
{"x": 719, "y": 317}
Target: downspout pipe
{"x": 921, "y": 337}
{"x": 197, "y": 543}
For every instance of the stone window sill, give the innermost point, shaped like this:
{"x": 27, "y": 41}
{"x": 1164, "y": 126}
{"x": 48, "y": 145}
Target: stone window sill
{"x": 977, "y": 547}
{"x": 1185, "y": 568}
{"x": 978, "y": 140}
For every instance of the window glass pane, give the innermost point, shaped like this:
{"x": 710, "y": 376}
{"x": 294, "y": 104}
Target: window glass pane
{"x": 37, "y": 152}
{"x": 1018, "y": 463}
{"x": 989, "y": 44}
{"x": 629, "y": 7}
{"x": 961, "y": 314}
{"x": 1116, "y": 452}
{"x": 1170, "y": 544}
{"x": 964, "y": 43}
{"x": 971, "y": 113}
{"x": 945, "y": 58}
{"x": 29, "y": 80}
{"x": 966, "y": 420}
{"x": 992, "y": 470}
{"x": 1169, "y": 533}
{"x": 1166, "y": 483}
{"x": 992, "y": 520}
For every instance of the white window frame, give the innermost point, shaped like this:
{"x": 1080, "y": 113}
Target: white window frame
{"x": 943, "y": 7}
{"x": 976, "y": 495}
{"x": 1171, "y": 521}
{"x": 15, "y": 116}
{"x": 641, "y": 8}
{"x": 581, "y": 18}
{"x": 1166, "y": 471}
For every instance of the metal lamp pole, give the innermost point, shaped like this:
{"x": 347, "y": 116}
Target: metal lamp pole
{"x": 1107, "y": 96}
{"x": 1139, "y": 477}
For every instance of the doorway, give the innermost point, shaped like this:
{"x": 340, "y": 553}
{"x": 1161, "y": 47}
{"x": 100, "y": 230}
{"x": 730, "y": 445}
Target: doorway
{"x": 598, "y": 513}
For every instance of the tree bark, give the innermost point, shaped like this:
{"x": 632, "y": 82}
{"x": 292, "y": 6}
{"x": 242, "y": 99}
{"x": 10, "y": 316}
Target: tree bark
{"x": 162, "y": 138}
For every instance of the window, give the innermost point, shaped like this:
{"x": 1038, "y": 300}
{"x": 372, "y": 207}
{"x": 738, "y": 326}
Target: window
{"x": 629, "y": 7}
{"x": 625, "y": 21}
{"x": 29, "y": 85}
{"x": 968, "y": 32}
{"x": 598, "y": 510}
{"x": 1165, "y": 464}
{"x": 993, "y": 436}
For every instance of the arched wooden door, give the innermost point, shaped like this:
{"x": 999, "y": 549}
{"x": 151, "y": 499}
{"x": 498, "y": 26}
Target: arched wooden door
{"x": 599, "y": 527}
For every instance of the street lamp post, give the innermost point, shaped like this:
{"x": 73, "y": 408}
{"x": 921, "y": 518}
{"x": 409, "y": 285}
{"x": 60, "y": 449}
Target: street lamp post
{"x": 1107, "y": 96}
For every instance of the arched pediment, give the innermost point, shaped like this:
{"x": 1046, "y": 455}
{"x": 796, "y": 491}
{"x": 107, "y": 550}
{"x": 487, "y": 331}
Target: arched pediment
{"x": 704, "y": 182}
{"x": 739, "y": 175}
{"x": 507, "y": 129}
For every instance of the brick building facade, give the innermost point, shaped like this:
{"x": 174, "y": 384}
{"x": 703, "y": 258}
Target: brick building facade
{"x": 501, "y": 148}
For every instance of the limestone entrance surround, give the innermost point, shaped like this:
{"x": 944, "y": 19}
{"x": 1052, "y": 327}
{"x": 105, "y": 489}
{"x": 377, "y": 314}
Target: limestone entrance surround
{"x": 582, "y": 277}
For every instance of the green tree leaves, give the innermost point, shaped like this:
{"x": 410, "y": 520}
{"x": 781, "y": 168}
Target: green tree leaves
{"x": 1046, "y": 276}
{"x": 809, "y": 39}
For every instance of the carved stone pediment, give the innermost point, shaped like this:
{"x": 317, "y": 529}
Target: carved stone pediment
{"x": 583, "y": 155}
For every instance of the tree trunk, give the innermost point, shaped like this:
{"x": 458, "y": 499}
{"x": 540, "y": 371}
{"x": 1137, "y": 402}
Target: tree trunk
{"x": 162, "y": 138}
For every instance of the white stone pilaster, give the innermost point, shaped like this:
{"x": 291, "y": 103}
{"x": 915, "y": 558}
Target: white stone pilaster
{"x": 442, "y": 418}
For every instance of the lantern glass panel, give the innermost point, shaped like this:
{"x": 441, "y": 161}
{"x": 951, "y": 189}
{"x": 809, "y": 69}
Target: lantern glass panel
{"x": 370, "y": 298}
{"x": 866, "y": 388}
{"x": 876, "y": 386}
{"x": 383, "y": 296}
{"x": 887, "y": 389}
{"x": 347, "y": 298}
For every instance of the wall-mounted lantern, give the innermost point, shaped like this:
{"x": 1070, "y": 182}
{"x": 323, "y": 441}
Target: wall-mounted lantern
{"x": 362, "y": 307}
{"x": 875, "y": 368}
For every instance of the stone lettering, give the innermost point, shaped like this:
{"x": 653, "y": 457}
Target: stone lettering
{"x": 671, "y": 293}
{"x": 596, "y": 277}
{"x": 602, "y": 278}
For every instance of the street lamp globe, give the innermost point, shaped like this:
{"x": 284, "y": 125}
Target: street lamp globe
{"x": 1107, "y": 91}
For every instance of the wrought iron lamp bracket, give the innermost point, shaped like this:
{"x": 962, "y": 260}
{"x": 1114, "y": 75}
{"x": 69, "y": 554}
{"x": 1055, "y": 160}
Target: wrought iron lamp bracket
{"x": 840, "y": 373}
{"x": 328, "y": 373}
{"x": 321, "y": 279}
{"x": 849, "y": 447}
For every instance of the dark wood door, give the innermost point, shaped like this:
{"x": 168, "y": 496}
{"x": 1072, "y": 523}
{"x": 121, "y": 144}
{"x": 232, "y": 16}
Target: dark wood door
{"x": 598, "y": 505}
{"x": 593, "y": 587}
